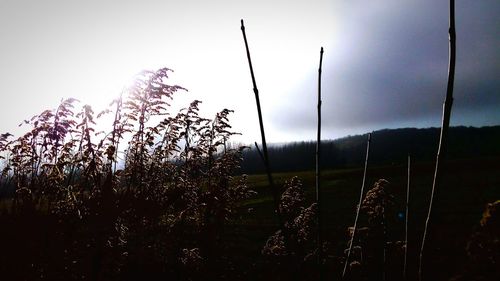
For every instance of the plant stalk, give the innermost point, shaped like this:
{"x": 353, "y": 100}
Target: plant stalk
{"x": 262, "y": 132}
{"x": 444, "y": 132}
{"x": 406, "y": 218}
{"x": 358, "y": 207}
{"x": 259, "y": 152}
{"x": 318, "y": 154}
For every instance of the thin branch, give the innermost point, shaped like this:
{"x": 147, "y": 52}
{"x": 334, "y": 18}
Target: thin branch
{"x": 444, "y": 129}
{"x": 318, "y": 150}
{"x": 358, "y": 207}
{"x": 406, "y": 218}
{"x": 259, "y": 152}
{"x": 384, "y": 230}
{"x": 262, "y": 132}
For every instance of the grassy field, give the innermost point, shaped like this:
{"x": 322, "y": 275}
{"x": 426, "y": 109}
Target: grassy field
{"x": 470, "y": 184}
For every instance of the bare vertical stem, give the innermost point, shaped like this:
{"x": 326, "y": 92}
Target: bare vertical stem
{"x": 406, "y": 218}
{"x": 358, "y": 207}
{"x": 384, "y": 233}
{"x": 318, "y": 150}
{"x": 262, "y": 133}
{"x": 444, "y": 129}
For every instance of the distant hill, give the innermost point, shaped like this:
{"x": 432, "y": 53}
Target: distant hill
{"x": 388, "y": 146}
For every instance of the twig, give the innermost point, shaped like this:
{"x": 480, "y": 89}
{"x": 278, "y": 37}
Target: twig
{"x": 384, "y": 231}
{"x": 262, "y": 133}
{"x": 318, "y": 150}
{"x": 358, "y": 207}
{"x": 444, "y": 129}
{"x": 406, "y": 218}
{"x": 259, "y": 152}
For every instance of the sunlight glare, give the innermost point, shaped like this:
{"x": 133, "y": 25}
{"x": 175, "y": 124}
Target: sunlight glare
{"x": 105, "y": 84}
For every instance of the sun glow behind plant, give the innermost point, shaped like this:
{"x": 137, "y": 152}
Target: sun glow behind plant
{"x": 91, "y": 51}
{"x": 375, "y": 75}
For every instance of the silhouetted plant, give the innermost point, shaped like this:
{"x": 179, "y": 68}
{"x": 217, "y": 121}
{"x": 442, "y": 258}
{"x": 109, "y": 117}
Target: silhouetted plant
{"x": 294, "y": 245}
{"x": 443, "y": 138}
{"x": 318, "y": 170}
{"x": 265, "y": 155}
{"x": 407, "y": 208}
{"x": 358, "y": 208}
{"x": 483, "y": 248}
{"x": 167, "y": 205}
{"x": 374, "y": 247}
{"x": 376, "y": 203}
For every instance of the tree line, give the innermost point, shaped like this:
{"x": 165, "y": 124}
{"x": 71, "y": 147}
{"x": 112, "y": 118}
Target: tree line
{"x": 389, "y": 147}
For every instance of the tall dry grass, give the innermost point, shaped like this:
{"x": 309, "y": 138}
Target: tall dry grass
{"x": 157, "y": 185}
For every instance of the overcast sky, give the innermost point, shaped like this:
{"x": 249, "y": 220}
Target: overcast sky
{"x": 385, "y": 61}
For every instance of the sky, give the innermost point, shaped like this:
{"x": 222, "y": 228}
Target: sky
{"x": 385, "y": 62}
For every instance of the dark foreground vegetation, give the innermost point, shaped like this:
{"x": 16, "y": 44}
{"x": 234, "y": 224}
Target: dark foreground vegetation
{"x": 161, "y": 197}
{"x": 471, "y": 184}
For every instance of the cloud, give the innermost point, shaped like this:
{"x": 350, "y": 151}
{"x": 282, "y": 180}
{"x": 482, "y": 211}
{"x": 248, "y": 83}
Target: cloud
{"x": 385, "y": 62}
{"x": 395, "y": 68}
